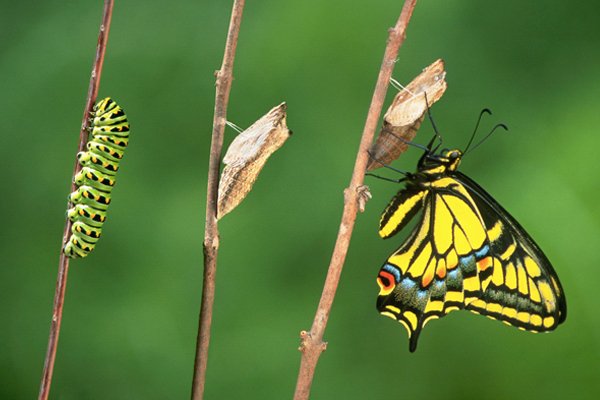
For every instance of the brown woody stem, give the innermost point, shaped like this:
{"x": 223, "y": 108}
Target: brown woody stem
{"x": 312, "y": 344}
{"x": 63, "y": 264}
{"x": 211, "y": 232}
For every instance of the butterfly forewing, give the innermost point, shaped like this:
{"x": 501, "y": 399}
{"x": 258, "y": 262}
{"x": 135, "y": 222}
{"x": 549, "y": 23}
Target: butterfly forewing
{"x": 403, "y": 207}
{"x": 524, "y": 290}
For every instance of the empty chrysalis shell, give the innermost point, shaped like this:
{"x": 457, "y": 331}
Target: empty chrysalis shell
{"x": 404, "y": 117}
{"x": 247, "y": 155}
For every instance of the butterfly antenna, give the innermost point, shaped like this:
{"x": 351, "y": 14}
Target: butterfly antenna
{"x": 490, "y": 134}
{"x": 437, "y": 133}
{"x": 484, "y": 111}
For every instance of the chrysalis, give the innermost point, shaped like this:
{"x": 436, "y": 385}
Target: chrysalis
{"x": 404, "y": 117}
{"x": 247, "y": 155}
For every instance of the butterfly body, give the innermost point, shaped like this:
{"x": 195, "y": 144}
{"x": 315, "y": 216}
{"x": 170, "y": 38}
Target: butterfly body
{"x": 466, "y": 252}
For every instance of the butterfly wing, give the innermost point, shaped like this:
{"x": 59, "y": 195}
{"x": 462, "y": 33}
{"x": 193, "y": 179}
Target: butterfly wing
{"x": 524, "y": 290}
{"x": 401, "y": 210}
{"x": 438, "y": 269}
{"x": 466, "y": 252}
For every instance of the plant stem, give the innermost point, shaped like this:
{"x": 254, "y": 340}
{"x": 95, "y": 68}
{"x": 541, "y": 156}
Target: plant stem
{"x": 63, "y": 264}
{"x": 312, "y": 342}
{"x": 224, "y": 77}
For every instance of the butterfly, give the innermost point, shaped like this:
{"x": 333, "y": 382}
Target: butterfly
{"x": 465, "y": 252}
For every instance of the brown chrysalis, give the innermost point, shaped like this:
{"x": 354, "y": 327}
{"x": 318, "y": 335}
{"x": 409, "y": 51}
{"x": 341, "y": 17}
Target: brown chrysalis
{"x": 246, "y": 156}
{"x": 404, "y": 117}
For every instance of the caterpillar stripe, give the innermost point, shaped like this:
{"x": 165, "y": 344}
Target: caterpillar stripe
{"x": 108, "y": 138}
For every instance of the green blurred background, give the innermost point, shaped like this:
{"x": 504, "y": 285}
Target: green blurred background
{"x": 129, "y": 324}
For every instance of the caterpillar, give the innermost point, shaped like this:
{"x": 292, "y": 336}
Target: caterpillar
{"x": 108, "y": 138}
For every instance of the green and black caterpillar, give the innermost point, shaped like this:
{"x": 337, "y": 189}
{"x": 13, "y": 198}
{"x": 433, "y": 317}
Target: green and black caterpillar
{"x": 108, "y": 138}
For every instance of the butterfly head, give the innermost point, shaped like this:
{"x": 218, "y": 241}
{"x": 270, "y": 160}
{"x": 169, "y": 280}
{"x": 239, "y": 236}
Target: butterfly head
{"x": 451, "y": 158}
{"x": 443, "y": 162}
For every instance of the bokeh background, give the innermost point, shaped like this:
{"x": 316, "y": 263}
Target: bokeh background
{"x": 130, "y": 319}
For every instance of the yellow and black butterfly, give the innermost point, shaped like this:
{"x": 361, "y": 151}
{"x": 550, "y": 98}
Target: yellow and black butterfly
{"x": 466, "y": 252}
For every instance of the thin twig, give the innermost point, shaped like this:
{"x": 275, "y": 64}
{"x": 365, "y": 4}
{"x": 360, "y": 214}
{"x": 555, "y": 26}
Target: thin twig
{"x": 63, "y": 264}
{"x": 312, "y": 342}
{"x": 211, "y": 231}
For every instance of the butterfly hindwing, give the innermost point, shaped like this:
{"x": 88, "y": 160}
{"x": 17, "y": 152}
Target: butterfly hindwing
{"x": 438, "y": 268}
